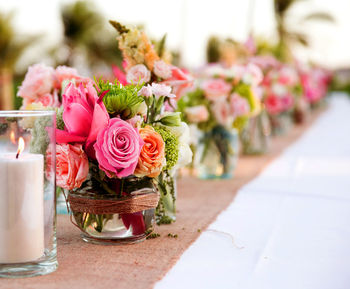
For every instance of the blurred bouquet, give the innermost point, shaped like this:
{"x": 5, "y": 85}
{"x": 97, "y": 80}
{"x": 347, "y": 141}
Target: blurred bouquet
{"x": 115, "y": 143}
{"x": 225, "y": 98}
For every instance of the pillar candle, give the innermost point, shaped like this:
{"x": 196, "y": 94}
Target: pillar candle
{"x": 21, "y": 207}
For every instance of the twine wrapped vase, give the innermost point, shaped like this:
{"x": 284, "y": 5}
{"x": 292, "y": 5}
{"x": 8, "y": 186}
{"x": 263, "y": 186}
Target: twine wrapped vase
{"x": 122, "y": 218}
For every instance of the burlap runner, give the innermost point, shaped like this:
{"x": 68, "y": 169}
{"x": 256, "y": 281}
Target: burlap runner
{"x": 86, "y": 266}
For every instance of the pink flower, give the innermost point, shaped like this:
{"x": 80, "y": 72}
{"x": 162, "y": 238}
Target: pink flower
{"x": 118, "y": 148}
{"x": 119, "y": 75}
{"x": 222, "y": 112}
{"x": 216, "y": 89}
{"x": 84, "y": 115}
{"x": 196, "y": 114}
{"x": 138, "y": 74}
{"x": 239, "y": 105}
{"x": 162, "y": 69}
{"x": 288, "y": 76}
{"x": 72, "y": 166}
{"x": 170, "y": 105}
{"x": 63, "y": 73}
{"x": 253, "y": 75}
{"x": 273, "y": 104}
{"x": 49, "y": 99}
{"x": 38, "y": 82}
{"x": 180, "y": 81}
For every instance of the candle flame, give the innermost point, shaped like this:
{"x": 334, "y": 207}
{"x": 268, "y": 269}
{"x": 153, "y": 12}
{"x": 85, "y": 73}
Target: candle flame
{"x": 20, "y": 146}
{"x": 12, "y": 137}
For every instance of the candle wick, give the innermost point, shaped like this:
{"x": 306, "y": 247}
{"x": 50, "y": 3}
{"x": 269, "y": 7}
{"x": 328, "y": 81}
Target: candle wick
{"x": 17, "y": 155}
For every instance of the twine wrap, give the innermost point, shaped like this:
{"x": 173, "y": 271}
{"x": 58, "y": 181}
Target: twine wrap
{"x": 126, "y": 205}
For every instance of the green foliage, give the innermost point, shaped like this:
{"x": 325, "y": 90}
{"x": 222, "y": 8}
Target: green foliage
{"x": 213, "y": 49}
{"x": 40, "y": 138}
{"x": 121, "y": 100}
{"x": 59, "y": 118}
{"x": 171, "y": 146}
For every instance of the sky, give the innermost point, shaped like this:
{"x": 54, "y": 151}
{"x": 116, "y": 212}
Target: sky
{"x": 189, "y": 23}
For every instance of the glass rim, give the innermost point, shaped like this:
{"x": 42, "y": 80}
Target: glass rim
{"x": 26, "y": 113}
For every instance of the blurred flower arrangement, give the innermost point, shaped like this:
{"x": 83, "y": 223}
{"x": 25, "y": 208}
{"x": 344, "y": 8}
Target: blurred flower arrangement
{"x": 220, "y": 106}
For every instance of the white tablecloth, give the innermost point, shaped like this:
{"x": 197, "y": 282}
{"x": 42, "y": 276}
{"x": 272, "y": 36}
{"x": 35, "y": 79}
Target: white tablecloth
{"x": 287, "y": 229}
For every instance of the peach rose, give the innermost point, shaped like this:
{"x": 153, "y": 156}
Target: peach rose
{"x": 152, "y": 156}
{"x": 72, "y": 166}
{"x": 196, "y": 114}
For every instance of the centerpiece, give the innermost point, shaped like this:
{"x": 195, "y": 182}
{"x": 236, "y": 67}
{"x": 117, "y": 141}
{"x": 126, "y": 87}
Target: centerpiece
{"x": 220, "y": 106}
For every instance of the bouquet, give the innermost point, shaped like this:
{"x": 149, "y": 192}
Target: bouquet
{"x": 225, "y": 98}
{"x": 114, "y": 142}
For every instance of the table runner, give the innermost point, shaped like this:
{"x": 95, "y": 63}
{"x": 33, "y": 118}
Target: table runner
{"x": 140, "y": 265}
{"x": 290, "y": 225}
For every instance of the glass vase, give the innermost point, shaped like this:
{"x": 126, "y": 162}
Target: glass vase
{"x": 280, "y": 123}
{"x": 256, "y": 134}
{"x": 166, "y": 209}
{"x": 27, "y": 193}
{"x": 217, "y": 153}
{"x": 126, "y": 217}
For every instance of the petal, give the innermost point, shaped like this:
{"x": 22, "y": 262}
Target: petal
{"x": 77, "y": 119}
{"x": 65, "y": 137}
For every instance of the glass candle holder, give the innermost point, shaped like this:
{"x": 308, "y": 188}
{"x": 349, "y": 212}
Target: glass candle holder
{"x": 27, "y": 193}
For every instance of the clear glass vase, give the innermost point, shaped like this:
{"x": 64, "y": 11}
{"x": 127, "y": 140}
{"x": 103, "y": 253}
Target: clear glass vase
{"x": 125, "y": 217}
{"x": 217, "y": 153}
{"x": 166, "y": 209}
{"x": 255, "y": 135}
{"x": 280, "y": 123}
{"x": 27, "y": 193}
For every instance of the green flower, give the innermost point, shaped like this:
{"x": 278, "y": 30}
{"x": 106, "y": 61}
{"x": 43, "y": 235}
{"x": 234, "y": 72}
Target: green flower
{"x": 171, "y": 146}
{"x": 121, "y": 100}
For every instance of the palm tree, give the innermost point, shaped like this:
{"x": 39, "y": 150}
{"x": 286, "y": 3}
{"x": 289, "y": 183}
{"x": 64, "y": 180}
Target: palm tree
{"x": 11, "y": 48}
{"x": 86, "y": 33}
{"x": 286, "y": 36}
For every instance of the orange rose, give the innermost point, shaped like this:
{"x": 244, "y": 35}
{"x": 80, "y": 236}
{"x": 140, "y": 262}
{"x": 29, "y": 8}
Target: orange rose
{"x": 152, "y": 156}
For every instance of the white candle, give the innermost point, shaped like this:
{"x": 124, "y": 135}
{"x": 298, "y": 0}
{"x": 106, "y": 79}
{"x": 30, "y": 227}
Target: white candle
{"x": 21, "y": 207}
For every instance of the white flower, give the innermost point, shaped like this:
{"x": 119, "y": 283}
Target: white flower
{"x": 162, "y": 90}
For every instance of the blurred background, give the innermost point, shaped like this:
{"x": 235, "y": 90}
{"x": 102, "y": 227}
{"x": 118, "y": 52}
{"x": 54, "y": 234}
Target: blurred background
{"x": 77, "y": 33}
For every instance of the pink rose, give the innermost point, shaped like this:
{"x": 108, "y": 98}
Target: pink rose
{"x": 162, "y": 69}
{"x": 72, "y": 166}
{"x": 38, "y": 82}
{"x": 118, "y": 148}
{"x": 84, "y": 115}
{"x": 138, "y": 74}
{"x": 222, "y": 112}
{"x": 273, "y": 104}
{"x": 239, "y": 105}
{"x": 216, "y": 89}
{"x": 196, "y": 114}
{"x": 288, "y": 76}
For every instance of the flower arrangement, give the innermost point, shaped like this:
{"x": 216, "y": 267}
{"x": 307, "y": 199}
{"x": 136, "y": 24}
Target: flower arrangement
{"x": 225, "y": 98}
{"x": 114, "y": 144}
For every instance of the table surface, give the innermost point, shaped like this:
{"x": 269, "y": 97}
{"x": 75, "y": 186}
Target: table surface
{"x": 290, "y": 227}
{"x": 268, "y": 235}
